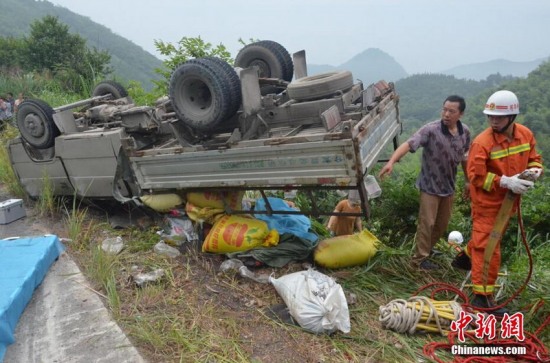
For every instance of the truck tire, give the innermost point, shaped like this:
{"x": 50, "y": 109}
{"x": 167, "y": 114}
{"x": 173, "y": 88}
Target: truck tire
{"x": 232, "y": 80}
{"x": 35, "y": 123}
{"x": 112, "y": 87}
{"x": 201, "y": 94}
{"x": 272, "y": 59}
{"x": 320, "y": 85}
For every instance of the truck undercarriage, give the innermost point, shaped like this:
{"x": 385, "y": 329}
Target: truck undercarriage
{"x": 220, "y": 128}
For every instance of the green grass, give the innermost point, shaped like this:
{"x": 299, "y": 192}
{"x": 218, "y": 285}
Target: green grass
{"x": 171, "y": 321}
{"x": 47, "y": 203}
{"x": 7, "y": 175}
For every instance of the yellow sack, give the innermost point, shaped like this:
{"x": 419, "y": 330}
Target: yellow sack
{"x": 161, "y": 202}
{"x": 205, "y": 214}
{"x": 345, "y": 251}
{"x": 239, "y": 233}
{"x": 216, "y": 200}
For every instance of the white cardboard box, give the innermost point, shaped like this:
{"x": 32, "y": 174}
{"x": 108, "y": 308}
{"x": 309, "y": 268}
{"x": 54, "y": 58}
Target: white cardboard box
{"x": 11, "y": 210}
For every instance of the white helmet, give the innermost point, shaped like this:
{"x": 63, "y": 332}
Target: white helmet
{"x": 456, "y": 237}
{"x": 502, "y": 103}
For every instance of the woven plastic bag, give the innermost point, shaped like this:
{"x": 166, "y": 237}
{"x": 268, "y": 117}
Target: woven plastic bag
{"x": 315, "y": 301}
{"x": 346, "y": 251}
{"x": 233, "y": 233}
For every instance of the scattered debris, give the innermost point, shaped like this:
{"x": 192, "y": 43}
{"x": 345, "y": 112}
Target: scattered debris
{"x": 261, "y": 278}
{"x": 234, "y": 265}
{"x": 112, "y": 245}
{"x": 141, "y": 278}
{"x": 178, "y": 229}
{"x": 164, "y": 249}
{"x": 231, "y": 265}
{"x": 352, "y": 298}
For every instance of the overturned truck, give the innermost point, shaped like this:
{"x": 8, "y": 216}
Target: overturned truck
{"x": 261, "y": 125}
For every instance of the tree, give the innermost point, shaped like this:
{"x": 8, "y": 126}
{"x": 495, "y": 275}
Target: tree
{"x": 50, "y": 47}
{"x": 11, "y": 54}
{"x": 186, "y": 48}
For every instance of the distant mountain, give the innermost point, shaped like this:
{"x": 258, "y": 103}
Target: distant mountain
{"x": 480, "y": 71}
{"x": 130, "y": 61}
{"x": 369, "y": 66}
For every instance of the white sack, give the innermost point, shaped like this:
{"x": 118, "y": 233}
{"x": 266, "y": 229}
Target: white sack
{"x": 314, "y": 300}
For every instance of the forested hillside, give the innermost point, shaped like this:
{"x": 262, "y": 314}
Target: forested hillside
{"x": 129, "y": 61}
{"x": 422, "y": 95}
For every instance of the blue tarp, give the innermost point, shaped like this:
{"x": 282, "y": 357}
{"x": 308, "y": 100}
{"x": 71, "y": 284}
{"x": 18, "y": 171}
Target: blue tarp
{"x": 295, "y": 224}
{"x": 24, "y": 263}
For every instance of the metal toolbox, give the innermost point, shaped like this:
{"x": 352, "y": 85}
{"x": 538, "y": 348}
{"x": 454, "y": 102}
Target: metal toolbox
{"x": 11, "y": 210}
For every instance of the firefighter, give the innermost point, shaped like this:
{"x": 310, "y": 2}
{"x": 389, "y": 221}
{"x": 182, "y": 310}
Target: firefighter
{"x": 497, "y": 157}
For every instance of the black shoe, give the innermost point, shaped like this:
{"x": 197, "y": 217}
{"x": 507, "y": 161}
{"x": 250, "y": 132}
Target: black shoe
{"x": 487, "y": 302}
{"x": 462, "y": 261}
{"x": 428, "y": 265}
{"x": 435, "y": 253}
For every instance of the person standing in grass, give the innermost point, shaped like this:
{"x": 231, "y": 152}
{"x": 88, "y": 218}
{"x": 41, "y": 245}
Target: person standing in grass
{"x": 446, "y": 143}
{"x": 497, "y": 158}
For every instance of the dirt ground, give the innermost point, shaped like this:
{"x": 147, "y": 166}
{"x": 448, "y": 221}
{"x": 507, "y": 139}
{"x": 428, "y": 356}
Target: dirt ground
{"x": 212, "y": 307}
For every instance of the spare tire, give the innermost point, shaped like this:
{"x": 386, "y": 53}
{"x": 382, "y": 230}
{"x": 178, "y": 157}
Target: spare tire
{"x": 320, "y": 85}
{"x": 35, "y": 123}
{"x": 271, "y": 58}
{"x": 202, "y": 93}
{"x": 112, "y": 87}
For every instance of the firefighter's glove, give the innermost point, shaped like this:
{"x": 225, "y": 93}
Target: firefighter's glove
{"x": 515, "y": 184}
{"x": 535, "y": 173}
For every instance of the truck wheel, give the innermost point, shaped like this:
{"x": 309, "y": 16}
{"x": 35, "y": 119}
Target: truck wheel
{"x": 320, "y": 85}
{"x": 272, "y": 59}
{"x": 201, "y": 94}
{"x": 232, "y": 79}
{"x": 114, "y": 88}
{"x": 35, "y": 123}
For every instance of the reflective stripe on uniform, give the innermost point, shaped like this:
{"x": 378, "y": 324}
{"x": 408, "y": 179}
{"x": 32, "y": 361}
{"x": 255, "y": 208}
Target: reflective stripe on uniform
{"x": 510, "y": 151}
{"x": 488, "y": 181}
{"x": 484, "y": 290}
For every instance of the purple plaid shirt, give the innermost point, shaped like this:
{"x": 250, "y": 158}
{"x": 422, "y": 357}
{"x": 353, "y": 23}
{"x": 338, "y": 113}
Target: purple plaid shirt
{"x": 441, "y": 155}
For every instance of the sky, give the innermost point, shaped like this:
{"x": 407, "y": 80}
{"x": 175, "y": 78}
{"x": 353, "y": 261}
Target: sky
{"x": 422, "y": 35}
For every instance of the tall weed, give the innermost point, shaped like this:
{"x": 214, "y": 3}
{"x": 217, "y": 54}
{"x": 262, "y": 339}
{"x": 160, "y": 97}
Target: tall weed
{"x": 46, "y": 201}
{"x": 75, "y": 219}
